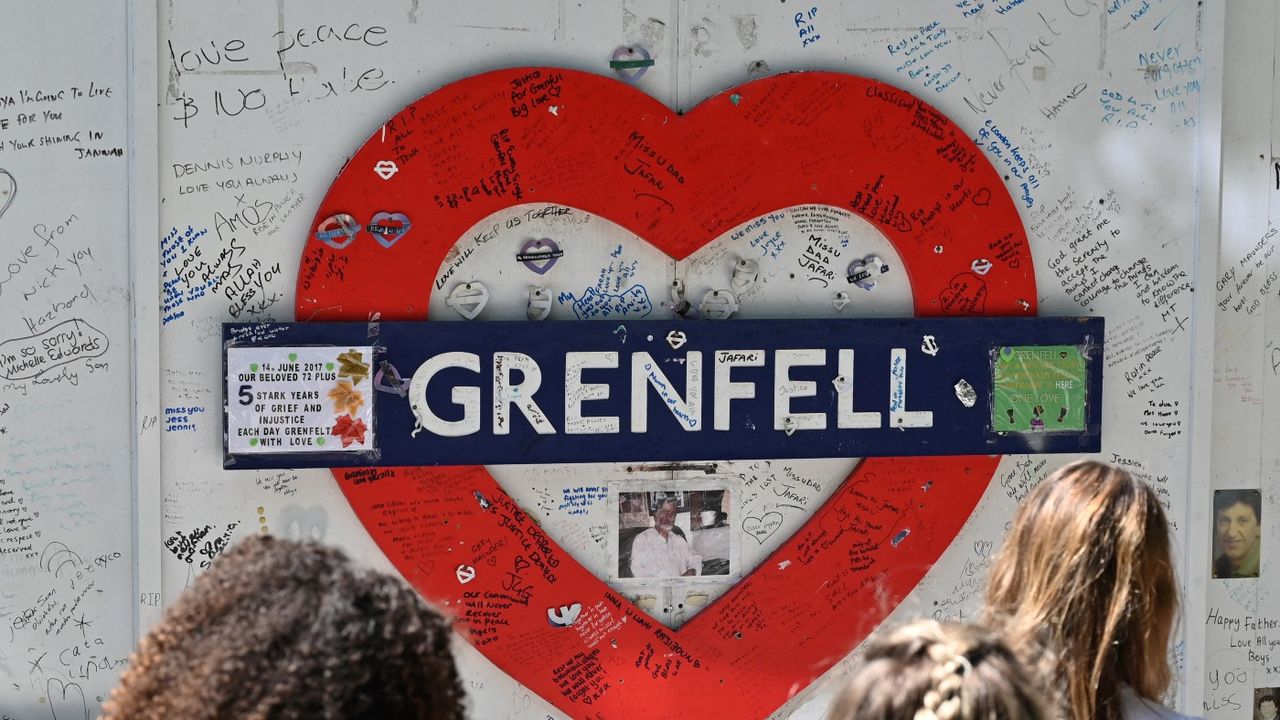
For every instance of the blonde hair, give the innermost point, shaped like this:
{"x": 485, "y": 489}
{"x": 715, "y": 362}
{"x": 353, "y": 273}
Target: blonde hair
{"x": 1085, "y": 588}
{"x": 930, "y": 671}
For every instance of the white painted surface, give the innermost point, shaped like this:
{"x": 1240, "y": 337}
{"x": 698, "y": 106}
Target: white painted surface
{"x": 1114, "y": 204}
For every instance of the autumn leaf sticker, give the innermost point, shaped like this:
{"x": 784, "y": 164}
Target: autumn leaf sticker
{"x": 352, "y": 365}
{"x": 348, "y": 430}
{"x": 346, "y": 398}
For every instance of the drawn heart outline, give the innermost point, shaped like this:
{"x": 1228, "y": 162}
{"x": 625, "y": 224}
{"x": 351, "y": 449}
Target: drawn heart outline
{"x": 828, "y": 586}
{"x": 763, "y": 527}
{"x": 966, "y": 294}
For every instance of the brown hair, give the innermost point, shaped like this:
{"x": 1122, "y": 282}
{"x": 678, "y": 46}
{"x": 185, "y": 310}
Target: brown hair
{"x": 930, "y": 671}
{"x": 280, "y": 630}
{"x": 1085, "y": 588}
{"x": 1223, "y": 499}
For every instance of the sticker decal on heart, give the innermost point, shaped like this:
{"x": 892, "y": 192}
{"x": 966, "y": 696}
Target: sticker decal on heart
{"x": 337, "y": 231}
{"x": 388, "y": 228}
{"x": 540, "y": 255}
{"x": 386, "y": 169}
{"x": 469, "y": 299}
{"x": 631, "y": 63}
{"x": 825, "y": 588}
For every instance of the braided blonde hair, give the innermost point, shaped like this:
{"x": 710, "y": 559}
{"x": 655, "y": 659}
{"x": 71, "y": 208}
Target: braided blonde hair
{"x": 930, "y": 671}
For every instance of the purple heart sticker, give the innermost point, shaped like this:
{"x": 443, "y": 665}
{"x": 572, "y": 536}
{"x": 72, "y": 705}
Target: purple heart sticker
{"x": 387, "y": 228}
{"x": 337, "y": 231}
{"x": 388, "y": 380}
{"x": 539, "y": 255}
{"x": 631, "y": 63}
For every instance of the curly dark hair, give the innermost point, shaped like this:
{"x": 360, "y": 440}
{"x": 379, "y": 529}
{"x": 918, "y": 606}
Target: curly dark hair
{"x": 277, "y": 630}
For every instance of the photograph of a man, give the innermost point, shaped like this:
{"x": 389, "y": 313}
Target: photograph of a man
{"x": 1237, "y": 538}
{"x": 1265, "y": 705}
{"x": 661, "y": 551}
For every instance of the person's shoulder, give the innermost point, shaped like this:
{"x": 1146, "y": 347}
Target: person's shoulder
{"x": 1140, "y": 708}
{"x": 1222, "y": 567}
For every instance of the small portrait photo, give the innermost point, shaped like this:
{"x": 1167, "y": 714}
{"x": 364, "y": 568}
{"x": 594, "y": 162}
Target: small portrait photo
{"x": 1237, "y": 533}
{"x": 673, "y": 533}
{"x": 1266, "y": 701}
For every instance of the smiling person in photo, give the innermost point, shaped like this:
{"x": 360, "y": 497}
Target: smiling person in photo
{"x": 1237, "y": 521}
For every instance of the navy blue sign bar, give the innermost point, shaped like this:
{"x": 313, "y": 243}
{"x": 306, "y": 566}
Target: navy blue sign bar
{"x": 475, "y": 393}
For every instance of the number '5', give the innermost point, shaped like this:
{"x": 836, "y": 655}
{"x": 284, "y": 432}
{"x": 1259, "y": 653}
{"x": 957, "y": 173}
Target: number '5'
{"x": 246, "y": 397}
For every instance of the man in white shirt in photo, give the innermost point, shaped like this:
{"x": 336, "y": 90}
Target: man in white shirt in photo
{"x": 660, "y": 551}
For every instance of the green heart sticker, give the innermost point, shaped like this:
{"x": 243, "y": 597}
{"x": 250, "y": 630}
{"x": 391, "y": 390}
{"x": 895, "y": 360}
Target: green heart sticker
{"x": 253, "y": 367}
{"x": 319, "y": 441}
{"x": 253, "y": 442}
{"x": 293, "y": 357}
{"x": 328, "y": 366}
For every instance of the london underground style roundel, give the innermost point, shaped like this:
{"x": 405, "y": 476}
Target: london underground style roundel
{"x": 468, "y": 205}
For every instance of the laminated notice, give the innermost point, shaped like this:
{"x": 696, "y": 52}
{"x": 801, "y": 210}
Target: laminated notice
{"x": 299, "y": 399}
{"x": 1040, "y": 388}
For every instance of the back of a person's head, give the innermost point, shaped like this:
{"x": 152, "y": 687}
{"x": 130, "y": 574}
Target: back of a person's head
{"x": 277, "y": 630}
{"x": 1085, "y": 586}
{"x": 930, "y": 671}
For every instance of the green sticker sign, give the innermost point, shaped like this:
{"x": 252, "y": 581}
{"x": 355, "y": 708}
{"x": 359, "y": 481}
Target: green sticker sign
{"x": 1038, "y": 388}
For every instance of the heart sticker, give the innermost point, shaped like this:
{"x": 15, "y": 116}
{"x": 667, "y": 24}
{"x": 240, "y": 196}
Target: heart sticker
{"x": 469, "y": 299}
{"x": 540, "y": 255}
{"x": 631, "y": 63}
{"x": 718, "y": 305}
{"x": 539, "y": 304}
{"x": 565, "y": 615}
{"x": 387, "y": 228}
{"x": 386, "y": 169}
{"x": 745, "y": 274}
{"x": 388, "y": 380}
{"x": 337, "y": 231}
{"x": 724, "y": 164}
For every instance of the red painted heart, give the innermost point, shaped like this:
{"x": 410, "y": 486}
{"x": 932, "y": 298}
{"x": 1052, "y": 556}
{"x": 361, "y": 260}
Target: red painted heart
{"x": 490, "y": 142}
